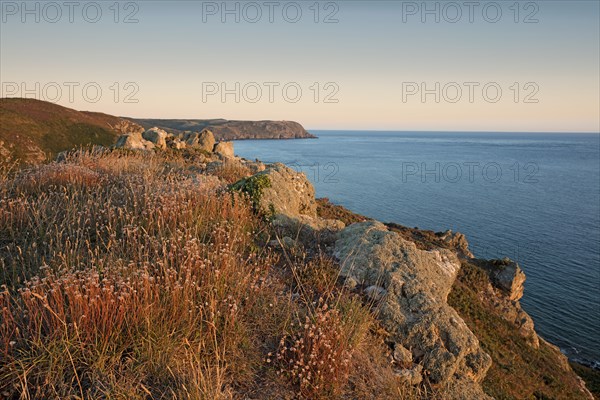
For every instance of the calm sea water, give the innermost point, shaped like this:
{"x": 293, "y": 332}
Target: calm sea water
{"x": 532, "y": 197}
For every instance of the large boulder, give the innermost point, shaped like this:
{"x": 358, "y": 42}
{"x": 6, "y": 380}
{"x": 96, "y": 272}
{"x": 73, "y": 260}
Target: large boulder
{"x": 224, "y": 149}
{"x": 288, "y": 192}
{"x": 415, "y": 284}
{"x": 156, "y": 136}
{"x": 204, "y": 140}
{"x": 134, "y": 141}
{"x": 289, "y": 198}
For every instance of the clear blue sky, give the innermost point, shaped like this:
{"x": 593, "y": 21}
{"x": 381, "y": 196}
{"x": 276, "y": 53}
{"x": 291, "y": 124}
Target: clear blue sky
{"x": 369, "y": 64}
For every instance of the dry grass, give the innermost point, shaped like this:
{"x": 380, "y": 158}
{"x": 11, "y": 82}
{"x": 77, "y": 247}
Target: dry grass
{"x": 232, "y": 172}
{"x": 125, "y": 277}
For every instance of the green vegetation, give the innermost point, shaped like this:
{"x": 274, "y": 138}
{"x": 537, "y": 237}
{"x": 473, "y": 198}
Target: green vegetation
{"x": 253, "y": 187}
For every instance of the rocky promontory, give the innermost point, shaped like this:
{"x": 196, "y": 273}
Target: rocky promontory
{"x": 231, "y": 130}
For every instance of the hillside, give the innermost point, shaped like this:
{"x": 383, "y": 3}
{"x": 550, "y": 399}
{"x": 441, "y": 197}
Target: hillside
{"x": 232, "y": 130}
{"x": 187, "y": 274}
{"x": 32, "y": 131}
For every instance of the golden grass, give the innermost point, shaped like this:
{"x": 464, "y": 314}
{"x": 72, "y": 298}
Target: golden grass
{"x": 124, "y": 277}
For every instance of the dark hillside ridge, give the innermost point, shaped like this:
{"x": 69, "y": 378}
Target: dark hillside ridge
{"x": 33, "y": 131}
{"x": 232, "y": 130}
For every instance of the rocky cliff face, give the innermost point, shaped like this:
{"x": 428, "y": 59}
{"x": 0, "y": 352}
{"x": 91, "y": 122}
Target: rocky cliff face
{"x": 225, "y": 130}
{"x": 407, "y": 276}
{"x": 413, "y": 286}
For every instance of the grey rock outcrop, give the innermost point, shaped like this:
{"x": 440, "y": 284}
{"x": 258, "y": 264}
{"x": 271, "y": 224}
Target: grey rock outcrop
{"x": 134, "y": 141}
{"x": 204, "y": 140}
{"x": 507, "y": 276}
{"x": 457, "y": 241}
{"x": 414, "y": 309}
{"x": 289, "y": 193}
{"x": 156, "y": 136}
{"x": 224, "y": 149}
{"x": 290, "y": 198}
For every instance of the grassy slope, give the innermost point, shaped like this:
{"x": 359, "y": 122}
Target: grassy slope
{"x": 518, "y": 371}
{"x": 31, "y": 129}
{"x": 134, "y": 276}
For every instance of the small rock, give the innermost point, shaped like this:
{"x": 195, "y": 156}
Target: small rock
{"x": 285, "y": 242}
{"x": 350, "y": 283}
{"x": 411, "y": 376}
{"x": 402, "y": 356}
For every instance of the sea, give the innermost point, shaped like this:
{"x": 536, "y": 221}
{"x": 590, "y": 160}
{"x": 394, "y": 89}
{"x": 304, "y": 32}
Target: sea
{"x": 532, "y": 197}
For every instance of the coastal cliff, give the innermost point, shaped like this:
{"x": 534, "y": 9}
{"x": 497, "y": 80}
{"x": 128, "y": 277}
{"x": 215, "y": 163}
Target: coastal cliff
{"x": 165, "y": 266}
{"x": 33, "y": 131}
{"x": 231, "y": 130}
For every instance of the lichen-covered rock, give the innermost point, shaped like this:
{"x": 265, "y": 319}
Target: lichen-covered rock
{"x": 204, "y": 140}
{"x": 134, "y": 141}
{"x": 402, "y": 356}
{"x": 507, "y": 276}
{"x": 412, "y": 376}
{"x": 254, "y": 166}
{"x": 156, "y": 136}
{"x": 375, "y": 292}
{"x": 458, "y": 241}
{"x": 289, "y": 198}
{"x": 414, "y": 309}
{"x": 224, "y": 149}
{"x": 289, "y": 192}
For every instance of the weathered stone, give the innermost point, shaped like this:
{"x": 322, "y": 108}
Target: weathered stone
{"x": 402, "y": 356}
{"x": 414, "y": 310}
{"x": 204, "y": 140}
{"x": 134, "y": 141}
{"x": 307, "y": 229}
{"x": 254, "y": 166}
{"x": 507, "y": 276}
{"x": 457, "y": 241}
{"x": 156, "y": 136}
{"x": 289, "y": 192}
{"x": 177, "y": 144}
{"x": 412, "y": 376}
{"x": 224, "y": 149}
{"x": 286, "y": 243}
{"x": 507, "y": 288}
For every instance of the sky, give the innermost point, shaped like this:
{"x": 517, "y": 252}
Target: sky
{"x": 364, "y": 65}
